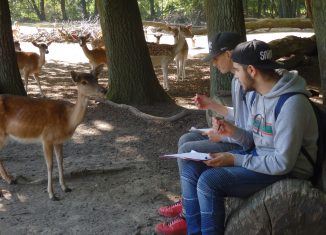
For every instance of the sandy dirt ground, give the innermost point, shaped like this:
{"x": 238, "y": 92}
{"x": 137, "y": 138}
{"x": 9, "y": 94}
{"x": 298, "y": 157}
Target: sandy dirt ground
{"x": 111, "y": 163}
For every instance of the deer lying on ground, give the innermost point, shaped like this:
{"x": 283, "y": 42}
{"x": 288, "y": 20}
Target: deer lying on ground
{"x": 31, "y": 63}
{"x": 182, "y": 56}
{"x": 96, "y": 56}
{"x": 163, "y": 54}
{"x": 49, "y": 122}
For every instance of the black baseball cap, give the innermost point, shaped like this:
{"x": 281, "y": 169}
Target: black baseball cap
{"x": 221, "y": 42}
{"x": 256, "y": 53}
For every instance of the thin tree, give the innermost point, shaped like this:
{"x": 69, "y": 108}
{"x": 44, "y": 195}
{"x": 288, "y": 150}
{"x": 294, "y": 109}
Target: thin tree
{"x": 63, "y": 9}
{"x": 39, "y": 10}
{"x": 318, "y": 9}
{"x": 132, "y": 77}
{"x": 84, "y": 9}
{"x": 10, "y": 80}
{"x": 223, "y": 15}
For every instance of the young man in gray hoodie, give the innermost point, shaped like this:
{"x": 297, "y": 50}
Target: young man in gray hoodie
{"x": 274, "y": 142}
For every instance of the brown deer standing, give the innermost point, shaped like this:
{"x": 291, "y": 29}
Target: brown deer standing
{"x": 96, "y": 56}
{"x": 49, "y": 122}
{"x": 31, "y": 63}
{"x": 163, "y": 54}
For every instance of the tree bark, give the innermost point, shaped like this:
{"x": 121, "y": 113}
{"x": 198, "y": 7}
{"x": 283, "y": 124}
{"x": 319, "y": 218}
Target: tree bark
{"x": 63, "y": 9}
{"x": 223, "y": 15}
{"x": 10, "y": 80}
{"x": 289, "y": 206}
{"x": 133, "y": 80}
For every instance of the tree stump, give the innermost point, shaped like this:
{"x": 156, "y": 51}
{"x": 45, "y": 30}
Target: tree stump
{"x": 290, "y": 206}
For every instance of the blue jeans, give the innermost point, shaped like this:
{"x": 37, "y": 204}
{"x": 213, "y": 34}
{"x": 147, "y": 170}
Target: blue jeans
{"x": 204, "y": 189}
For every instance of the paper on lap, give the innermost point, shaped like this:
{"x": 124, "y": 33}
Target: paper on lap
{"x": 193, "y": 155}
{"x": 200, "y": 129}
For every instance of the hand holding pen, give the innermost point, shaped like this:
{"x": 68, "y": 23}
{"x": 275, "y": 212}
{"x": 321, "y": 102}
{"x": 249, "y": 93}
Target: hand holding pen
{"x": 223, "y": 127}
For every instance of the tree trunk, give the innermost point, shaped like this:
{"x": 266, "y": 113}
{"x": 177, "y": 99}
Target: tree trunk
{"x": 10, "y": 80}
{"x": 63, "y": 9}
{"x": 287, "y": 9}
{"x": 308, "y": 4}
{"x": 42, "y": 11}
{"x": 259, "y": 9}
{"x": 95, "y": 13}
{"x": 288, "y": 206}
{"x": 37, "y": 11}
{"x": 84, "y": 9}
{"x": 152, "y": 9}
{"x": 223, "y": 15}
{"x": 319, "y": 8}
{"x": 132, "y": 76}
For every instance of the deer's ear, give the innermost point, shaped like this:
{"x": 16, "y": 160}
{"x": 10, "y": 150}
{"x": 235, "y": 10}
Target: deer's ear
{"x": 97, "y": 70}
{"x": 88, "y": 35}
{"x": 74, "y": 76}
{"x": 49, "y": 43}
{"x": 189, "y": 26}
{"x": 34, "y": 43}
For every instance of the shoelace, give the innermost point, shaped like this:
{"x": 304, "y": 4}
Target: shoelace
{"x": 175, "y": 204}
{"x": 175, "y": 220}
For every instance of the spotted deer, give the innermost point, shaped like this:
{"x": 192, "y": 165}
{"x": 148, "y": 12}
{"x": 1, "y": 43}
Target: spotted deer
{"x": 95, "y": 56}
{"x": 163, "y": 54}
{"x": 30, "y": 63}
{"x": 50, "y": 122}
{"x": 182, "y": 56}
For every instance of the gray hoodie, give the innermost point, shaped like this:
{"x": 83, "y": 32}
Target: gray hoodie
{"x": 278, "y": 143}
{"x": 239, "y": 113}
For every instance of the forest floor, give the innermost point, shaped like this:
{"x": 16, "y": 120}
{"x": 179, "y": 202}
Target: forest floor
{"x": 112, "y": 162}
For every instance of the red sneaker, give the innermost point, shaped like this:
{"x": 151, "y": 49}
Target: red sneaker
{"x": 177, "y": 226}
{"x": 171, "y": 210}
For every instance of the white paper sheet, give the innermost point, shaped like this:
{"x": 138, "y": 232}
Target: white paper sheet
{"x": 193, "y": 155}
{"x": 200, "y": 129}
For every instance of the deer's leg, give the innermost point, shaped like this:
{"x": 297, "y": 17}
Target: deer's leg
{"x": 37, "y": 79}
{"x": 26, "y": 75}
{"x": 184, "y": 67}
{"x": 48, "y": 155}
{"x": 164, "y": 66}
{"x": 58, "y": 149}
{"x": 177, "y": 62}
{"x": 4, "y": 174}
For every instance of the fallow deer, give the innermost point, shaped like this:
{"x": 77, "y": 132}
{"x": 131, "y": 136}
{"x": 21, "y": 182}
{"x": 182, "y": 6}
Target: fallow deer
{"x": 182, "y": 56}
{"x": 96, "y": 56}
{"x": 16, "y": 30}
{"x": 46, "y": 121}
{"x": 163, "y": 54}
{"x": 158, "y": 38}
{"x": 17, "y": 46}
{"x": 31, "y": 63}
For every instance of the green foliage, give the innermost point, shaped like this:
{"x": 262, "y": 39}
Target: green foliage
{"x": 23, "y": 11}
{"x": 174, "y": 11}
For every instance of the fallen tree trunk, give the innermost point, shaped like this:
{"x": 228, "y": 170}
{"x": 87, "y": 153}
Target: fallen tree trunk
{"x": 290, "y": 45}
{"x": 289, "y": 206}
